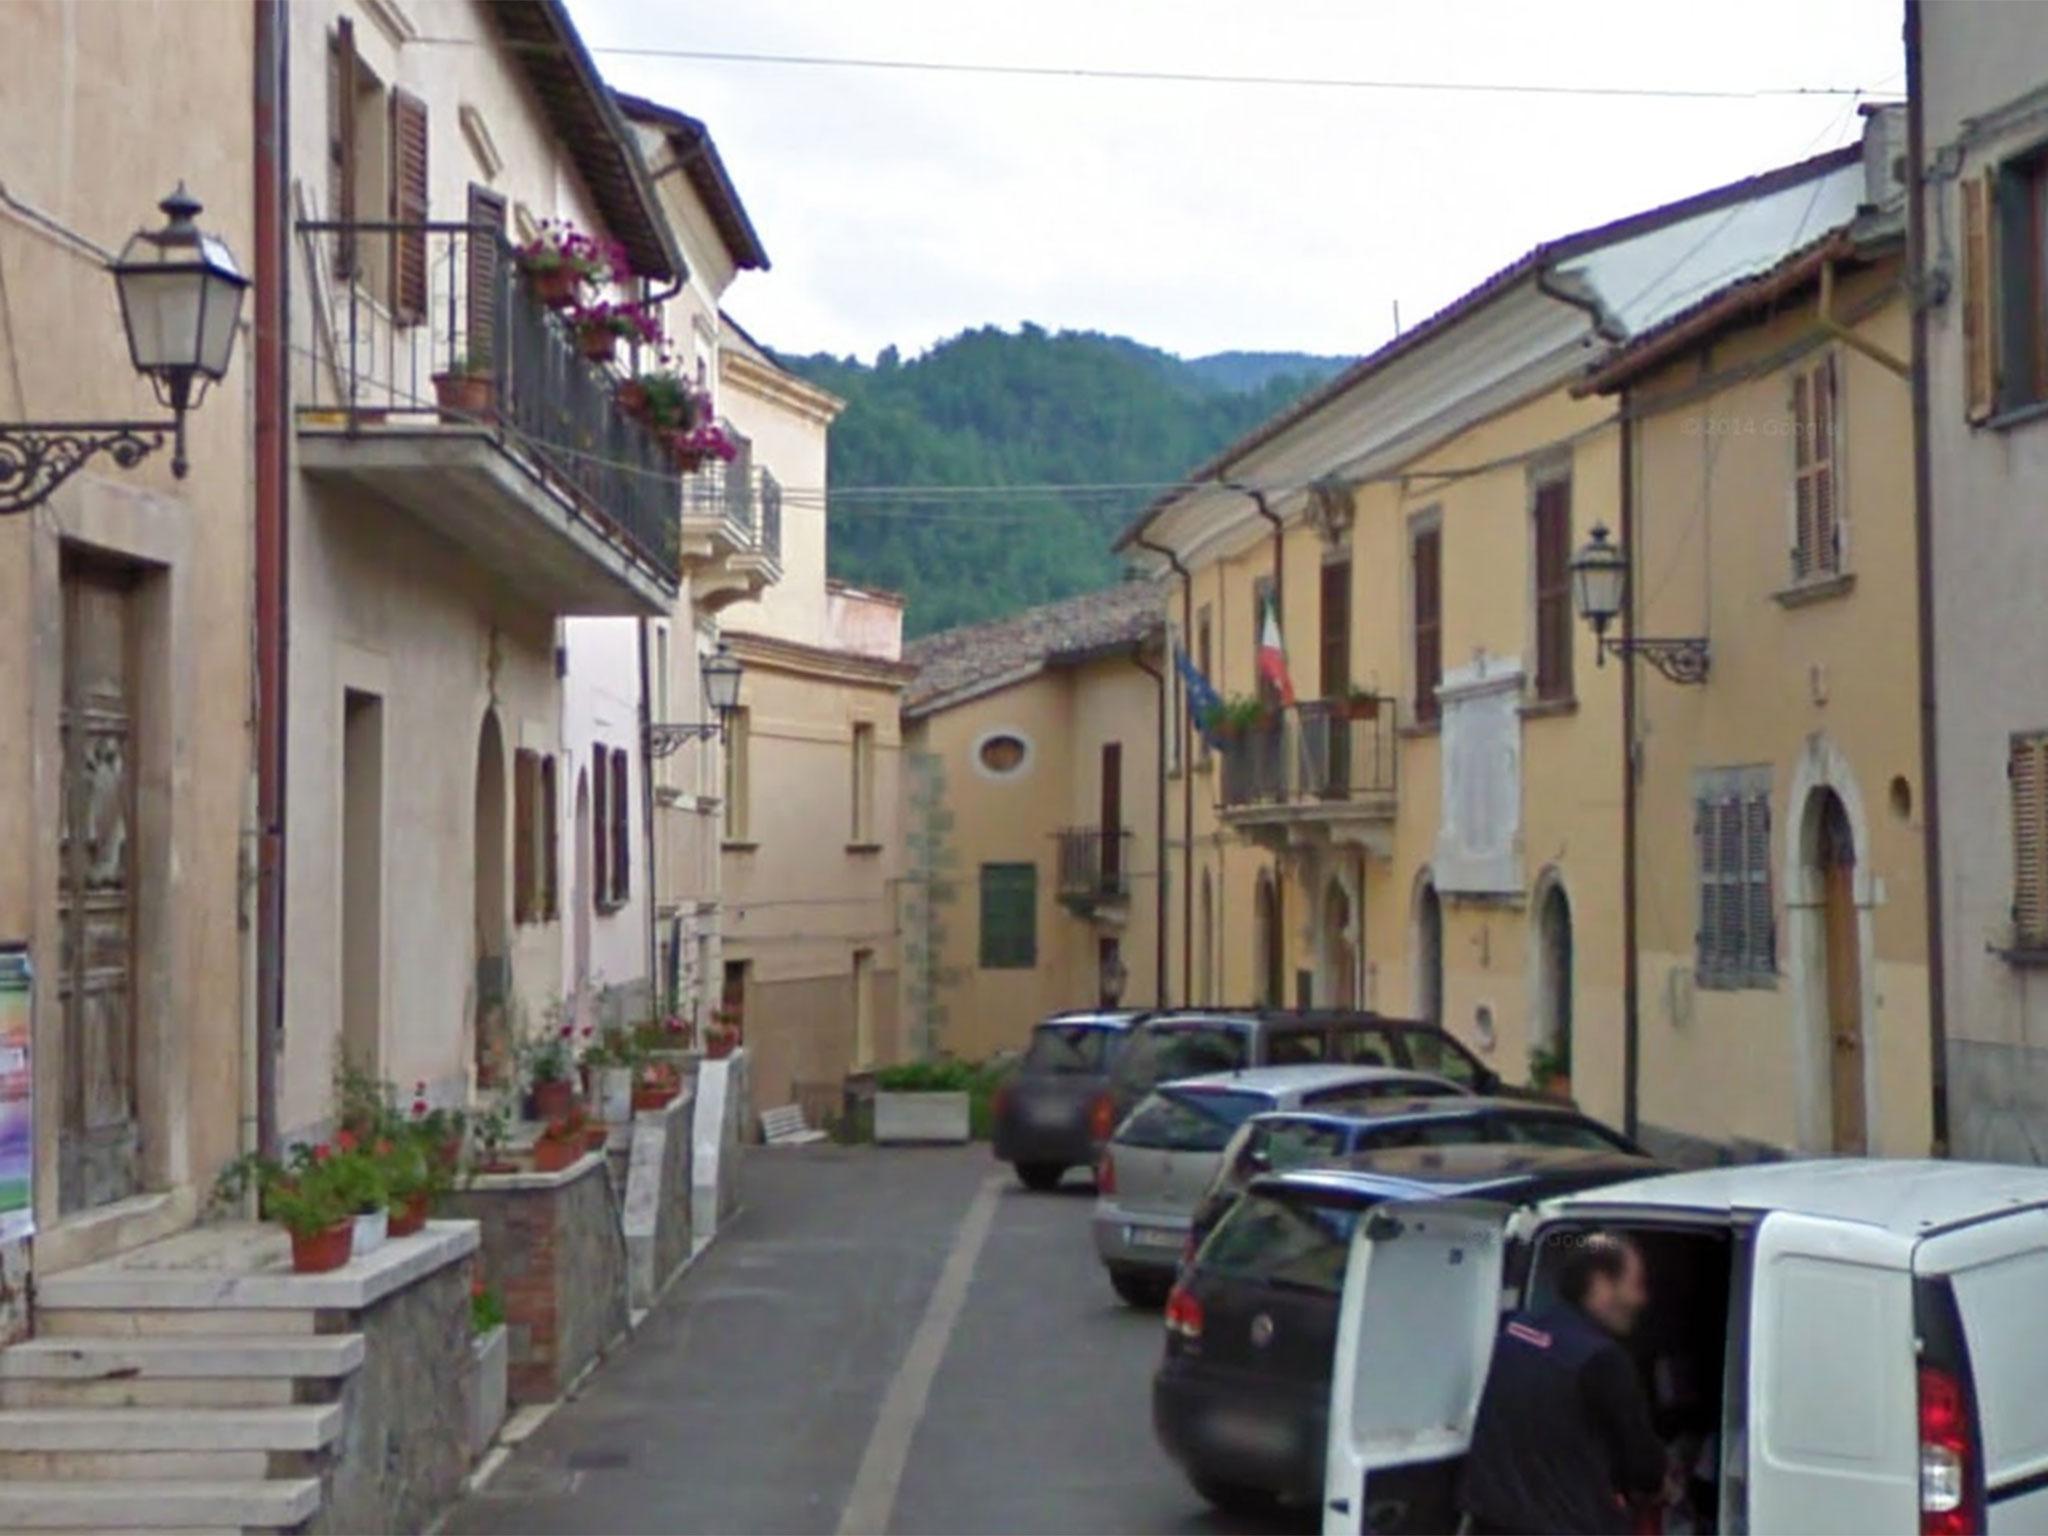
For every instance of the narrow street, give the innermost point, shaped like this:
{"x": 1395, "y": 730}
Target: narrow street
{"x": 751, "y": 1401}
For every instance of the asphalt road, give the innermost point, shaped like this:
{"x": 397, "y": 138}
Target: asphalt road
{"x": 885, "y": 1340}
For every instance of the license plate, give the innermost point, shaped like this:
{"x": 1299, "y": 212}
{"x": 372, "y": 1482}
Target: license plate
{"x": 1250, "y": 1434}
{"x": 1154, "y": 1237}
{"x": 1046, "y": 1115}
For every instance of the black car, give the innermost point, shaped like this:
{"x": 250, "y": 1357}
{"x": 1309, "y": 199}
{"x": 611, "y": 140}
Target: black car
{"x": 1241, "y": 1399}
{"x": 1191, "y": 1042}
{"x": 1056, "y": 1112}
{"x": 1282, "y": 1142}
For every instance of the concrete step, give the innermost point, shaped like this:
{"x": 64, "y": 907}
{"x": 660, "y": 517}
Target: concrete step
{"x": 300, "y": 1428}
{"x": 156, "y": 1392}
{"x": 158, "y": 1506}
{"x": 180, "y": 1356}
{"x": 142, "y": 1466}
{"x": 96, "y": 1322}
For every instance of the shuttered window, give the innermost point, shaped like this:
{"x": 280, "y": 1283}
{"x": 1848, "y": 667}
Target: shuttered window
{"x": 2027, "y": 767}
{"x": 409, "y": 207}
{"x": 1426, "y": 563}
{"x": 1816, "y": 484}
{"x": 486, "y": 219}
{"x": 1009, "y": 916}
{"x": 550, "y": 843}
{"x": 1552, "y": 587}
{"x": 525, "y": 816}
{"x": 600, "y": 827}
{"x": 1335, "y": 625}
{"x": 1979, "y": 366}
{"x": 621, "y": 804}
{"x": 341, "y": 143}
{"x": 1737, "y": 940}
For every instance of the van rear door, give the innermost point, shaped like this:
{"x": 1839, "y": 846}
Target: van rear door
{"x": 1832, "y": 1411}
{"x": 1422, "y": 1301}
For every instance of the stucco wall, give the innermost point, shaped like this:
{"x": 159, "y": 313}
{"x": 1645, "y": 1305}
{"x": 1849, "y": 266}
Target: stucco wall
{"x": 601, "y": 706}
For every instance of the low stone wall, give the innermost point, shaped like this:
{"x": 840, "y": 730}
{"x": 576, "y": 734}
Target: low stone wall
{"x": 656, "y": 1218}
{"x": 722, "y": 1123}
{"x": 553, "y": 1244}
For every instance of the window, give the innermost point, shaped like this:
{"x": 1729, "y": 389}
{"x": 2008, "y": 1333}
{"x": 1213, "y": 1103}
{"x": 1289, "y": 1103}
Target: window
{"x": 2027, "y": 768}
{"x": 1737, "y": 937}
{"x": 1285, "y": 1242}
{"x": 1009, "y": 916}
{"x": 1426, "y": 620}
{"x": 550, "y": 842}
{"x": 1191, "y": 1119}
{"x": 1334, "y": 619}
{"x": 535, "y": 858}
{"x": 1002, "y": 753}
{"x": 621, "y": 804}
{"x": 600, "y": 827}
{"x": 863, "y": 783}
{"x": 1816, "y": 510}
{"x": 737, "y": 729}
{"x": 1552, "y": 595}
{"x": 376, "y": 171}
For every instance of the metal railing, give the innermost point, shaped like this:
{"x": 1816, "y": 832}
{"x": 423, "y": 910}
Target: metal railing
{"x": 771, "y": 517}
{"x": 722, "y": 492}
{"x": 438, "y": 324}
{"x": 1320, "y": 751}
{"x": 1095, "y": 863}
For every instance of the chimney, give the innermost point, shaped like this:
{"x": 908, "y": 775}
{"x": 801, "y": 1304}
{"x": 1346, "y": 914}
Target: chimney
{"x": 1884, "y": 157}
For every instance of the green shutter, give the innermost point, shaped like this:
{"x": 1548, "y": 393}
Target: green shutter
{"x": 1009, "y": 916}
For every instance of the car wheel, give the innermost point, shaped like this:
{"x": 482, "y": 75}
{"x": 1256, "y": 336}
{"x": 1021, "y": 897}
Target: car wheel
{"x": 1139, "y": 1289}
{"x": 1041, "y": 1176}
{"x": 1235, "y": 1498}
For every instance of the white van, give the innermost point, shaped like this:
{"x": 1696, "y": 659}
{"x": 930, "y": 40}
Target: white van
{"x": 1854, "y": 1345}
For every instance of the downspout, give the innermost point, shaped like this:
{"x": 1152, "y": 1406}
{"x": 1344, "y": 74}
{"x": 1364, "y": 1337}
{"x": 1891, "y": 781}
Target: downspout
{"x": 272, "y": 110}
{"x": 1923, "y": 554}
{"x": 1631, "y": 989}
{"x": 1187, "y": 787}
{"x": 654, "y": 994}
{"x": 1158, "y": 676}
{"x": 1280, "y": 610}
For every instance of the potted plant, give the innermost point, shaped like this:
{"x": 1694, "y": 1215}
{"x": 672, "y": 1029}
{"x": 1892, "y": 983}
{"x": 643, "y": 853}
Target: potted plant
{"x": 1550, "y": 1071}
{"x": 660, "y": 397}
{"x": 1361, "y": 705}
{"x": 307, "y": 1194}
{"x": 924, "y": 1101}
{"x": 696, "y": 446}
{"x": 490, "y": 1359}
{"x": 561, "y": 1142}
{"x": 1237, "y": 716}
{"x": 656, "y": 1086}
{"x": 601, "y": 326}
{"x": 561, "y": 262}
{"x": 493, "y": 1130}
{"x": 550, "y": 1067}
{"x": 722, "y": 1036}
{"x": 358, "y": 1173}
{"x": 467, "y": 394}
{"x": 610, "y": 1061}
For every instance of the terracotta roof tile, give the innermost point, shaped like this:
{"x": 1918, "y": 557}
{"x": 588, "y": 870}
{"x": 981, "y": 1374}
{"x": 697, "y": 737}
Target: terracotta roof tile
{"x": 1055, "y": 633}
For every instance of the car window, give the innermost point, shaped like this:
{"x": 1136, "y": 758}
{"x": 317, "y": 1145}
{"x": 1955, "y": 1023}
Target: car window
{"x": 1364, "y": 1095}
{"x": 1432, "y": 1051}
{"x": 1367, "y": 1047}
{"x": 1558, "y": 1131}
{"x": 1295, "y": 1047}
{"x": 1302, "y": 1143}
{"x": 1451, "y": 1131}
{"x": 1276, "y": 1241}
{"x": 1164, "y": 1055}
{"x": 1190, "y": 1120}
{"x": 1068, "y": 1048}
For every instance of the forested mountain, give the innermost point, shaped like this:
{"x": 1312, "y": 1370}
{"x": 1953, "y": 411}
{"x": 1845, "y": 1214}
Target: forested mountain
{"x": 1026, "y": 408}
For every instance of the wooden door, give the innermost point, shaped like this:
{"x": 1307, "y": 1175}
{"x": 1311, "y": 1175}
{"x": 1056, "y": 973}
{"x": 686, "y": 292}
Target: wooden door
{"x": 99, "y": 1129}
{"x": 1112, "y": 815}
{"x": 1837, "y": 854}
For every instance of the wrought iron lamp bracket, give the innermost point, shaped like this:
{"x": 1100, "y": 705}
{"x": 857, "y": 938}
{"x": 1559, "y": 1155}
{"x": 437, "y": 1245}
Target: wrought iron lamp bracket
{"x": 1682, "y": 660}
{"x": 663, "y": 739}
{"x": 38, "y": 456}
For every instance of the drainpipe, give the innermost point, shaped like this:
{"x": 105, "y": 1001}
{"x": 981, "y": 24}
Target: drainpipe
{"x": 1631, "y": 989}
{"x": 1158, "y": 676}
{"x": 272, "y": 108}
{"x": 647, "y": 822}
{"x": 1187, "y": 788}
{"x": 1280, "y": 607}
{"x": 1923, "y": 554}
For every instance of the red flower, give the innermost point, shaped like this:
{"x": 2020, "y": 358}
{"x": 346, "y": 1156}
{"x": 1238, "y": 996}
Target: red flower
{"x": 589, "y": 1030}
{"x": 383, "y": 1147}
{"x": 568, "y": 1031}
{"x": 346, "y": 1140}
{"x": 476, "y": 1289}
{"x": 419, "y": 1108}
{"x": 322, "y": 1152}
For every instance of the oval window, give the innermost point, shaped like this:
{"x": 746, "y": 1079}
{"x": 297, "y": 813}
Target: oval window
{"x": 1002, "y": 753}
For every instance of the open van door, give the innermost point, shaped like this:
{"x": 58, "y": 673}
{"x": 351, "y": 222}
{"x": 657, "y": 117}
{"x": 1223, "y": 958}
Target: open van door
{"x": 1422, "y": 1302}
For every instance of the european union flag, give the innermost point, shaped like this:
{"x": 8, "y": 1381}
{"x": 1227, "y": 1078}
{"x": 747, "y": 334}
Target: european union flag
{"x": 1203, "y": 700}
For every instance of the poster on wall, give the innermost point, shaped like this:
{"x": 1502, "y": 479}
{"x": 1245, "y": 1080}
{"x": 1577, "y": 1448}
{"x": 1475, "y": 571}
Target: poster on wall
{"x": 17, "y": 1099}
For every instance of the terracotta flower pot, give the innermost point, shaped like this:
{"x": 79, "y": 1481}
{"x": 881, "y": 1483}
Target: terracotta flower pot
{"x": 1362, "y": 709}
{"x": 553, "y": 1100}
{"x": 552, "y": 1156}
{"x": 632, "y": 399}
{"x": 598, "y": 344}
{"x": 595, "y": 1137}
{"x": 557, "y": 287}
{"x": 654, "y": 1098}
{"x": 408, "y": 1218}
{"x": 315, "y": 1253}
{"x": 466, "y": 398}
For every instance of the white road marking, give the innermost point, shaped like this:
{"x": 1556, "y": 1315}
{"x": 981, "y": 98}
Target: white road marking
{"x": 872, "y": 1500}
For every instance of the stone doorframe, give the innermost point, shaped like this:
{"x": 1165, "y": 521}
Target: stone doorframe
{"x": 1334, "y": 877}
{"x": 1822, "y": 765}
{"x": 1542, "y": 1023}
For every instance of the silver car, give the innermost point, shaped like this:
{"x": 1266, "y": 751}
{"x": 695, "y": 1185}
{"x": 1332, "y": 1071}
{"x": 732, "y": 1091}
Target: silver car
{"x": 1161, "y": 1159}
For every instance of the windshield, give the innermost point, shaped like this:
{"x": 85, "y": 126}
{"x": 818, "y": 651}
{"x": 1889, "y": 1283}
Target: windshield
{"x": 1068, "y": 1048}
{"x": 1283, "y": 1241}
{"x": 1190, "y": 1119}
{"x": 1166, "y": 1055}
{"x": 1560, "y": 1131}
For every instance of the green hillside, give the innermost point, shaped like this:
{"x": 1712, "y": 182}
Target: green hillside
{"x": 997, "y": 408}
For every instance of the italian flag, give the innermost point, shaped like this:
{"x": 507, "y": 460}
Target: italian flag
{"x": 1273, "y": 656}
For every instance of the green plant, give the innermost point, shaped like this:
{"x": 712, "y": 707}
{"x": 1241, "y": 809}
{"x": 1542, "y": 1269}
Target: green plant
{"x": 486, "y": 1308}
{"x": 316, "y": 1186}
{"x": 978, "y": 1080}
{"x": 614, "y": 1047}
{"x": 549, "y": 1054}
{"x": 1238, "y": 714}
{"x": 493, "y": 1129}
{"x": 472, "y": 365}
{"x": 1549, "y": 1061}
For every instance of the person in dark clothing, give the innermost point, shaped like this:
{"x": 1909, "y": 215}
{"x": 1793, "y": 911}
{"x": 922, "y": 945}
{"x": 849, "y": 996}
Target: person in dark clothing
{"x": 1563, "y": 1439}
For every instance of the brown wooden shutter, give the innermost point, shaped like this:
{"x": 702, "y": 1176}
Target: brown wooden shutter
{"x": 1759, "y": 927}
{"x": 551, "y": 841}
{"x": 409, "y": 206}
{"x": 2027, "y": 767}
{"x": 486, "y": 219}
{"x": 1429, "y": 657}
{"x": 622, "y": 841}
{"x": 1335, "y": 622}
{"x": 1802, "y": 482}
{"x": 341, "y": 144}
{"x": 524, "y": 783}
{"x": 1553, "y": 589}
{"x": 1827, "y": 545}
{"x": 1980, "y": 366}
{"x": 600, "y": 827}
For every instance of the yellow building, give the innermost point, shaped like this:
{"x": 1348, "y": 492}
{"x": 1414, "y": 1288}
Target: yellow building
{"x": 1434, "y": 828}
{"x": 1033, "y": 881}
{"x": 1781, "y": 922}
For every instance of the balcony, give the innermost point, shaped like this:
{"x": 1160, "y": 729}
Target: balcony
{"x": 1321, "y": 770}
{"x": 732, "y": 529}
{"x": 436, "y": 381}
{"x": 1095, "y": 871}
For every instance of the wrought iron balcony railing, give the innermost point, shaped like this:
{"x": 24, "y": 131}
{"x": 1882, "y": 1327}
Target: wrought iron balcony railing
{"x": 1095, "y": 864}
{"x": 1321, "y": 752}
{"x": 437, "y": 325}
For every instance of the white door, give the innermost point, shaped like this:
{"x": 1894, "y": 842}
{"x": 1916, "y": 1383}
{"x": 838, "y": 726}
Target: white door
{"x": 1833, "y": 1426}
{"x": 1422, "y": 1301}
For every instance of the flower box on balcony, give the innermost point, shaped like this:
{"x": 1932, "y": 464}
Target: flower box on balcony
{"x": 466, "y": 398}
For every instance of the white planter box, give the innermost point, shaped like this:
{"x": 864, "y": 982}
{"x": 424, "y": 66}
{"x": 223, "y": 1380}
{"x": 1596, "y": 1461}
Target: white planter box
{"x": 491, "y": 1360}
{"x": 371, "y": 1230}
{"x": 611, "y": 1094}
{"x": 921, "y": 1117}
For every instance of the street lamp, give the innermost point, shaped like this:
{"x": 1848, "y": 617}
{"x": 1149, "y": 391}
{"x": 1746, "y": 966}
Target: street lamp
{"x": 721, "y": 677}
{"x": 181, "y": 302}
{"x": 1600, "y": 586}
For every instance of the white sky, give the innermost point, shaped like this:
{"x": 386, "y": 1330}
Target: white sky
{"x": 902, "y": 207}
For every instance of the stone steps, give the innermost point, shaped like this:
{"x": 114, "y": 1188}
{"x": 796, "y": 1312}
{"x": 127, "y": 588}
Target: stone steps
{"x": 298, "y": 1428}
{"x": 180, "y": 1357}
{"x": 257, "y": 1505}
{"x": 136, "y": 1466}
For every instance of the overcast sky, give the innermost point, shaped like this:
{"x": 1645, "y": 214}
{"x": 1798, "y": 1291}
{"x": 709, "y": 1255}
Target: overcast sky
{"x": 902, "y": 207}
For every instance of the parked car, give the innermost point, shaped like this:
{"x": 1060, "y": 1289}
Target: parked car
{"x": 1279, "y": 1142}
{"x": 1056, "y": 1112}
{"x": 1163, "y": 1155}
{"x": 1241, "y": 1397}
{"x": 1853, "y": 1345}
{"x": 1189, "y": 1042}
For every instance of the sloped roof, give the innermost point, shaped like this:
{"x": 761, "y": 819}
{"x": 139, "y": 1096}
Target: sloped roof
{"x": 700, "y": 161}
{"x": 1054, "y": 634}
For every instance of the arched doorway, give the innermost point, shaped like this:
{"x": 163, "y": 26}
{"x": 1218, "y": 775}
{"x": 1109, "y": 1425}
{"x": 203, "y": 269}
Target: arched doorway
{"x": 1551, "y": 1034}
{"x": 493, "y": 987}
{"x": 1339, "y": 948}
{"x": 1429, "y": 954}
{"x": 583, "y": 898}
{"x": 1828, "y": 846}
{"x": 1266, "y": 940}
{"x": 1208, "y": 967}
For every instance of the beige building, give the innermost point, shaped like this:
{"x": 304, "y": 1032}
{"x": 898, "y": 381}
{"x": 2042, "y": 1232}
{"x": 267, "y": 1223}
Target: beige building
{"x": 810, "y": 819}
{"x": 1032, "y": 820}
{"x": 1782, "y": 912}
{"x": 125, "y": 759}
{"x": 435, "y": 550}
